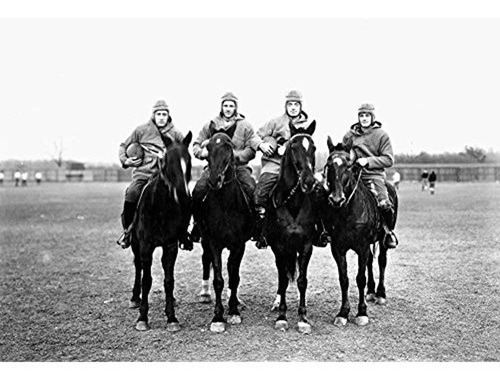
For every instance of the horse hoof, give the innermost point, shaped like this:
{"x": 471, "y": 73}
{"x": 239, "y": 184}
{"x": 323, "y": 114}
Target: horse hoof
{"x": 361, "y": 320}
{"x": 380, "y": 301}
{"x": 142, "y": 326}
{"x": 340, "y": 321}
{"x": 370, "y": 297}
{"x": 217, "y": 327}
{"x": 205, "y": 298}
{"x": 281, "y": 325}
{"x": 173, "y": 327}
{"x": 234, "y": 319}
{"x": 134, "y": 304}
{"x": 304, "y": 327}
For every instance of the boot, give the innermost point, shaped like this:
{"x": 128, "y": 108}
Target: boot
{"x": 196, "y": 233}
{"x": 260, "y": 218}
{"x": 320, "y": 237}
{"x": 390, "y": 240}
{"x": 127, "y": 218}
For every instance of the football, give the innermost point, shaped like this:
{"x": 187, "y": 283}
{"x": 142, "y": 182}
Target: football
{"x": 135, "y": 150}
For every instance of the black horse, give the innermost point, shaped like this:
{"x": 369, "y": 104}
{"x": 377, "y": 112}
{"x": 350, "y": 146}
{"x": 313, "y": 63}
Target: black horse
{"x": 162, "y": 219}
{"x": 226, "y": 222}
{"x": 354, "y": 222}
{"x": 290, "y": 223}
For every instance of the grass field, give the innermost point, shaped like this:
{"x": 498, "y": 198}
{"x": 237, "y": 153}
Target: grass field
{"x": 65, "y": 285}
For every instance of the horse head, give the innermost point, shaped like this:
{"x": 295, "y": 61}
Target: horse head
{"x": 300, "y": 156}
{"x": 339, "y": 170}
{"x": 175, "y": 165}
{"x": 220, "y": 157}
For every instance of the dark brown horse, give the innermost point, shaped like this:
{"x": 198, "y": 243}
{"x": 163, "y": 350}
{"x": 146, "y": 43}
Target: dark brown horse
{"x": 226, "y": 222}
{"x": 290, "y": 223}
{"x": 354, "y": 222}
{"x": 162, "y": 219}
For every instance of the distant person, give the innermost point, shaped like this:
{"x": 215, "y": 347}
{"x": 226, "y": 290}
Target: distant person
{"x": 38, "y": 177}
{"x": 2, "y": 177}
{"x": 432, "y": 182}
{"x": 17, "y": 178}
{"x": 24, "y": 179}
{"x": 148, "y": 135}
{"x": 396, "y": 178}
{"x": 424, "y": 178}
{"x": 373, "y": 150}
{"x": 245, "y": 143}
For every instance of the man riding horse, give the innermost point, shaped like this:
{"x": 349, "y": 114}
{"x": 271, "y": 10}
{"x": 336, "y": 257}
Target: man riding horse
{"x": 245, "y": 144}
{"x": 373, "y": 151}
{"x": 149, "y": 136}
{"x": 274, "y": 136}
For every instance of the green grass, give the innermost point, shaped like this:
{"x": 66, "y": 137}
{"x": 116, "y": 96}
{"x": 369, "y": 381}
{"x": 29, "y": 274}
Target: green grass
{"x": 65, "y": 285}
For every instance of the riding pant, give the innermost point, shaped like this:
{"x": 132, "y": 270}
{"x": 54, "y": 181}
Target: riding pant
{"x": 133, "y": 192}
{"x": 377, "y": 187}
{"x": 266, "y": 182}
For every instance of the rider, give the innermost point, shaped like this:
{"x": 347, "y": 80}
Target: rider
{"x": 148, "y": 135}
{"x": 273, "y": 139}
{"x": 373, "y": 150}
{"x": 245, "y": 143}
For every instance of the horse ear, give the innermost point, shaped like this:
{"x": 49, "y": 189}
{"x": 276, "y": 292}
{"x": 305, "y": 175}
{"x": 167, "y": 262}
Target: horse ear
{"x": 311, "y": 128}
{"x": 187, "y": 140}
{"x": 167, "y": 140}
{"x": 293, "y": 129}
{"x": 329, "y": 142}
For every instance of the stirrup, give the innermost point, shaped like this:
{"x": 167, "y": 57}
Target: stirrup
{"x": 196, "y": 234}
{"x": 322, "y": 240}
{"x": 124, "y": 239}
{"x": 261, "y": 244}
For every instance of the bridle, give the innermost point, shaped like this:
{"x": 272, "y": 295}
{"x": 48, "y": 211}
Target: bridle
{"x": 325, "y": 170}
{"x": 299, "y": 179}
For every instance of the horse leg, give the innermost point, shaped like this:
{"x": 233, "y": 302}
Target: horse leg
{"x": 168, "y": 259}
{"x": 340, "y": 259}
{"x": 147, "y": 260}
{"x": 233, "y": 268}
{"x": 370, "y": 293}
{"x": 218, "y": 322}
{"x": 382, "y": 263}
{"x": 362, "y": 317}
{"x": 304, "y": 325}
{"x": 281, "y": 322}
{"x": 135, "y": 301}
{"x": 206, "y": 261}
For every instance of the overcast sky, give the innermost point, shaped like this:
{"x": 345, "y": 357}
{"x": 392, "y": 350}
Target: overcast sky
{"x": 89, "y": 83}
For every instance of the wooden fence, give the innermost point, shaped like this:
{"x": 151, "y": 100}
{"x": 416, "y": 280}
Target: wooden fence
{"x": 408, "y": 172}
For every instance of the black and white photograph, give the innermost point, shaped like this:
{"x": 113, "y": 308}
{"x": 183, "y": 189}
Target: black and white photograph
{"x": 274, "y": 188}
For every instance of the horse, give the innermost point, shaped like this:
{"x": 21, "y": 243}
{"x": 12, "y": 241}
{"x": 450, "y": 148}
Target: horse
{"x": 226, "y": 222}
{"x": 162, "y": 218}
{"x": 290, "y": 222}
{"x": 354, "y": 222}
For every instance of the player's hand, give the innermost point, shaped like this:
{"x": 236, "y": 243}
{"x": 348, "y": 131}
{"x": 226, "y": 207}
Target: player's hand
{"x": 133, "y": 162}
{"x": 204, "y": 153}
{"x": 267, "y": 149}
{"x": 362, "y": 161}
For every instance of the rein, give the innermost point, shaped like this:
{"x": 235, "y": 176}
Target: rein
{"x": 223, "y": 173}
{"x": 355, "y": 186}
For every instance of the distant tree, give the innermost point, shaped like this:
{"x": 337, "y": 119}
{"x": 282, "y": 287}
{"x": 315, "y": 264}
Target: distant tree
{"x": 57, "y": 157}
{"x": 476, "y": 153}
